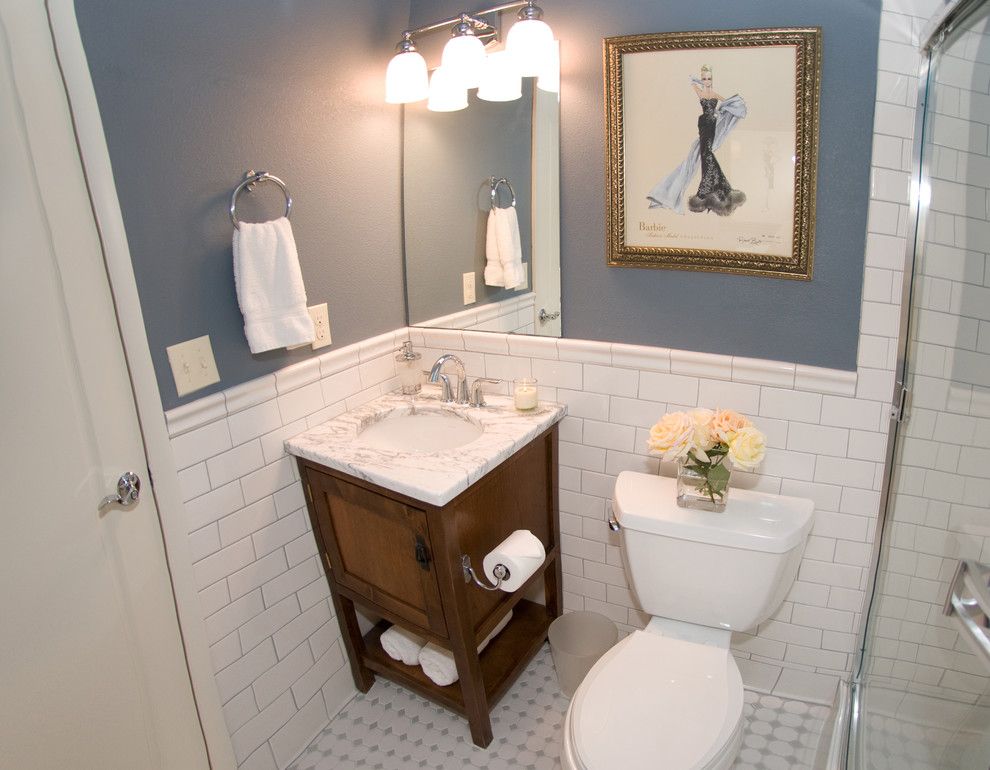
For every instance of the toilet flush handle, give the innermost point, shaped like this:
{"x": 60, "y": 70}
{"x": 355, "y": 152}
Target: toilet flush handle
{"x": 613, "y": 524}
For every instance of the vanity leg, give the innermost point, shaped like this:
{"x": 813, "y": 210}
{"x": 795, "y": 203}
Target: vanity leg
{"x": 473, "y": 690}
{"x": 553, "y": 587}
{"x": 353, "y": 641}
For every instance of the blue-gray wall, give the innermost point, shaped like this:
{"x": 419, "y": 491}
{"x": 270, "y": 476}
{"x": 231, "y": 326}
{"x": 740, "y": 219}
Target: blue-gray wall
{"x": 812, "y": 322}
{"x": 192, "y": 94}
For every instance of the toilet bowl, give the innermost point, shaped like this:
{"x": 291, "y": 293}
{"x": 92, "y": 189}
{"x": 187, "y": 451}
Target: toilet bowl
{"x": 671, "y": 696}
{"x": 656, "y": 702}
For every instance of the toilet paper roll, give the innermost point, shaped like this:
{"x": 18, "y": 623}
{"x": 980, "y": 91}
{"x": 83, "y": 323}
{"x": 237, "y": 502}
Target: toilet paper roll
{"x": 522, "y": 552}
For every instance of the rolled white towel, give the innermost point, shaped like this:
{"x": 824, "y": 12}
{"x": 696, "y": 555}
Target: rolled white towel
{"x": 403, "y": 645}
{"x": 438, "y": 663}
{"x": 493, "y": 263}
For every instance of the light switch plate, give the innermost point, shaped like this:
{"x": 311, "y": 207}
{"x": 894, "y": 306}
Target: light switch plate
{"x": 321, "y": 325}
{"x": 193, "y": 365}
{"x": 470, "y": 295}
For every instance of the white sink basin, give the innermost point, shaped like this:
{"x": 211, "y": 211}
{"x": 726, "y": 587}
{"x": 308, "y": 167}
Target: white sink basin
{"x": 419, "y": 431}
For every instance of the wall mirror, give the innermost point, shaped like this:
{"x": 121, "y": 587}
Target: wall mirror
{"x": 449, "y": 159}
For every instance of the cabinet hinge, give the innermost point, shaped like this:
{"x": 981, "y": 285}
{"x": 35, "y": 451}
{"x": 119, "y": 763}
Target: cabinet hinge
{"x": 309, "y": 492}
{"x": 898, "y": 409}
{"x": 326, "y": 559}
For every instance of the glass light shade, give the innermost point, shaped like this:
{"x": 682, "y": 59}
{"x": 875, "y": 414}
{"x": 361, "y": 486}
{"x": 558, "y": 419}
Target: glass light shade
{"x": 531, "y": 42}
{"x": 406, "y": 79}
{"x": 549, "y": 78}
{"x": 464, "y": 56}
{"x": 447, "y": 91}
{"x": 500, "y": 79}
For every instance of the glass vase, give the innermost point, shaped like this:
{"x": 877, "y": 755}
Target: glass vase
{"x": 696, "y": 490}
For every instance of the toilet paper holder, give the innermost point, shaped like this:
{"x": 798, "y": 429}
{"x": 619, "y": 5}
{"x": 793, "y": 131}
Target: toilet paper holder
{"x": 500, "y": 571}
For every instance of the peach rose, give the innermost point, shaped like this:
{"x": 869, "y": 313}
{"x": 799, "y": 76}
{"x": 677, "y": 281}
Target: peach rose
{"x": 671, "y": 437}
{"x": 726, "y": 423}
{"x": 747, "y": 448}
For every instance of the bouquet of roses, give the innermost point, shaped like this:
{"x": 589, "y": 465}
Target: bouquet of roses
{"x": 701, "y": 440}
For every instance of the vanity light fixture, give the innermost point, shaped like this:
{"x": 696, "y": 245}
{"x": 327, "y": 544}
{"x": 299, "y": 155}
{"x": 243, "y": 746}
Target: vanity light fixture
{"x": 530, "y": 50}
{"x": 500, "y": 78}
{"x": 406, "y": 79}
{"x": 447, "y": 91}
{"x": 464, "y": 53}
{"x": 530, "y": 41}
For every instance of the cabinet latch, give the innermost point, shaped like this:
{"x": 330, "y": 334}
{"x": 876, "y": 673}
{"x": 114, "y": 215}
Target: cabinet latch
{"x": 422, "y": 553}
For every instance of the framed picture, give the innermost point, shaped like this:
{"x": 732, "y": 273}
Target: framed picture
{"x": 713, "y": 150}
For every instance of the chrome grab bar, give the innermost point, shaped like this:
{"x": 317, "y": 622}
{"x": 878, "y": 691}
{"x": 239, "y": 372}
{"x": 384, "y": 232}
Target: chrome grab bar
{"x": 969, "y": 603}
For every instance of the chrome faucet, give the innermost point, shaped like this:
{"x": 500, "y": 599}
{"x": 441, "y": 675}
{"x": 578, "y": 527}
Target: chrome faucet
{"x": 437, "y": 375}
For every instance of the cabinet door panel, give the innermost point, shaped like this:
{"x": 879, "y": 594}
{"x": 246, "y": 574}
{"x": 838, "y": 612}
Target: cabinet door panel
{"x": 372, "y": 542}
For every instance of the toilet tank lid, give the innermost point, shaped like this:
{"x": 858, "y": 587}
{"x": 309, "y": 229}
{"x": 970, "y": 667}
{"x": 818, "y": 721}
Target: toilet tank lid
{"x": 755, "y": 521}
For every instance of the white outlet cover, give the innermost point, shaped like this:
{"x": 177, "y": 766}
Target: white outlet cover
{"x": 193, "y": 364}
{"x": 321, "y": 325}
{"x": 470, "y": 293}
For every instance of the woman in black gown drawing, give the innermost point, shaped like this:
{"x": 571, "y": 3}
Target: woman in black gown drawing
{"x": 714, "y": 192}
{"x": 718, "y": 117}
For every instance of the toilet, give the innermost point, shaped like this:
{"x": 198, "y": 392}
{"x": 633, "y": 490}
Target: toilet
{"x": 671, "y": 696}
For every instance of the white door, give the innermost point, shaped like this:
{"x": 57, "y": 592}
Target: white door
{"x": 92, "y": 669}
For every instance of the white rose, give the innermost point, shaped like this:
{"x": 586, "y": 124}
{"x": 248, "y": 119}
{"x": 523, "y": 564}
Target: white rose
{"x": 747, "y": 448}
{"x": 703, "y": 438}
{"x": 671, "y": 436}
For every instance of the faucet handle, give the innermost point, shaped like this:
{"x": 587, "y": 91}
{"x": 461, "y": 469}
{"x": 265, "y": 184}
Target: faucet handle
{"x": 477, "y": 394}
{"x": 446, "y": 394}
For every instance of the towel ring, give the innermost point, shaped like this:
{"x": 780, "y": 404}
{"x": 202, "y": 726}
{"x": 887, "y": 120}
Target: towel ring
{"x": 495, "y": 185}
{"x": 251, "y": 178}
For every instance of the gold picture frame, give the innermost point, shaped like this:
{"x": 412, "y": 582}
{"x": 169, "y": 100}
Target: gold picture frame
{"x": 681, "y": 154}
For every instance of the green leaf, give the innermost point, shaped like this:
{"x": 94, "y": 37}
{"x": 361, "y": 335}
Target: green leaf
{"x": 718, "y": 478}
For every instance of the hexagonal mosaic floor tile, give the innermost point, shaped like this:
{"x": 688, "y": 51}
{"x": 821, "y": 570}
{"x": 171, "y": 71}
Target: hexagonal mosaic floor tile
{"x": 390, "y": 728}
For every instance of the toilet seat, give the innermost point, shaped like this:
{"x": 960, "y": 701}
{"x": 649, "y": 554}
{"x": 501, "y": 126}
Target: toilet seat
{"x": 656, "y": 702}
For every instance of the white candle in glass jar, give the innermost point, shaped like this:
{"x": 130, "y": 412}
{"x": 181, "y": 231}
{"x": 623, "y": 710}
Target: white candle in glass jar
{"x": 525, "y": 393}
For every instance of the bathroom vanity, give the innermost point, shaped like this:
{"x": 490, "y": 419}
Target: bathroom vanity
{"x": 392, "y": 525}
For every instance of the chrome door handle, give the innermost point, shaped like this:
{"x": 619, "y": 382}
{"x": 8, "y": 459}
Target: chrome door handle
{"x": 128, "y": 491}
{"x": 544, "y": 316}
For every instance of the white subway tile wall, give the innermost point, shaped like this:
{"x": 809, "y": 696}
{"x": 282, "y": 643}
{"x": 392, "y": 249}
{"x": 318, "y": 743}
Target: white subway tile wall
{"x": 280, "y": 667}
{"x": 614, "y": 394}
{"x": 941, "y": 505}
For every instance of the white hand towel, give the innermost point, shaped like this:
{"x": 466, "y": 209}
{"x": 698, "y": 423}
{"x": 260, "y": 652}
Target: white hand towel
{"x": 493, "y": 263}
{"x": 402, "y": 645}
{"x": 269, "y": 285}
{"x": 438, "y": 663}
{"x": 509, "y": 246}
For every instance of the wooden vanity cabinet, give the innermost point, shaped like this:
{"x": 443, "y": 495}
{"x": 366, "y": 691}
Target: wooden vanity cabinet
{"x": 400, "y": 559}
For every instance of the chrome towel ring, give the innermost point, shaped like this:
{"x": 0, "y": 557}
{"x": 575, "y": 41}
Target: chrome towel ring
{"x": 495, "y": 185}
{"x": 251, "y": 178}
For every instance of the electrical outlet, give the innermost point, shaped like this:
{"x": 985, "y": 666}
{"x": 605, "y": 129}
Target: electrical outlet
{"x": 470, "y": 295}
{"x": 321, "y": 325}
{"x": 193, "y": 365}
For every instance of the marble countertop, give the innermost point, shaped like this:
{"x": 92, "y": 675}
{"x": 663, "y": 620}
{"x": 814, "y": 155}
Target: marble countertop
{"x": 433, "y": 477}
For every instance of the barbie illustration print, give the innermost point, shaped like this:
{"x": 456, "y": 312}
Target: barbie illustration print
{"x": 708, "y": 163}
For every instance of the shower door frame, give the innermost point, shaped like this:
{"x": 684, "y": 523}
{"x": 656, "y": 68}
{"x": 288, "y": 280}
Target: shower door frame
{"x": 932, "y": 36}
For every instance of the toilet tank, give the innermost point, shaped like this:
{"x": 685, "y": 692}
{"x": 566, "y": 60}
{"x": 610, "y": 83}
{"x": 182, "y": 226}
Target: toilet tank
{"x": 725, "y": 570}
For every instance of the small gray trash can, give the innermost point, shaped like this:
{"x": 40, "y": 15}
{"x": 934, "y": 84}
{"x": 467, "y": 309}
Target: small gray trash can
{"x": 577, "y": 641}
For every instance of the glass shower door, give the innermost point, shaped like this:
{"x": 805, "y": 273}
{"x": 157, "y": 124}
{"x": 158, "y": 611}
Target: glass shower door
{"x": 924, "y": 696}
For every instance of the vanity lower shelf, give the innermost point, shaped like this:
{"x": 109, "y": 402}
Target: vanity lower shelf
{"x": 501, "y": 662}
